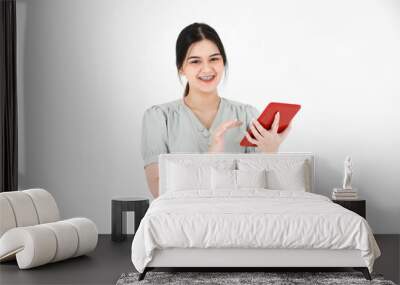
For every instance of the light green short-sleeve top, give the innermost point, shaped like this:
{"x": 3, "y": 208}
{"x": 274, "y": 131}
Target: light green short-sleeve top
{"x": 173, "y": 127}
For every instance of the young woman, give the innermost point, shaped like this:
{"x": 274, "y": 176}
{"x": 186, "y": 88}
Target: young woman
{"x": 202, "y": 121}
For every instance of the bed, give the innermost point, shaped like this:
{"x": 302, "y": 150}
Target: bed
{"x": 245, "y": 211}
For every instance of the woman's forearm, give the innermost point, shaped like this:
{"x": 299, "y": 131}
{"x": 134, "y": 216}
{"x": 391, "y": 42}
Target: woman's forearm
{"x": 152, "y": 177}
{"x": 153, "y": 186}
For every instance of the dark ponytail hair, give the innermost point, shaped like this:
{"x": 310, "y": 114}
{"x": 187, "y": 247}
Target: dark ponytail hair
{"x": 195, "y": 33}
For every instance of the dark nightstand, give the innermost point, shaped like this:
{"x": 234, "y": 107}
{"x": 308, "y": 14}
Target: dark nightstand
{"x": 119, "y": 207}
{"x": 357, "y": 206}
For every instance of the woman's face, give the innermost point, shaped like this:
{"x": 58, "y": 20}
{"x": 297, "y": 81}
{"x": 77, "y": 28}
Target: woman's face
{"x": 203, "y": 66}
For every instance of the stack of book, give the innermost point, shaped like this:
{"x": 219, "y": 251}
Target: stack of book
{"x": 344, "y": 194}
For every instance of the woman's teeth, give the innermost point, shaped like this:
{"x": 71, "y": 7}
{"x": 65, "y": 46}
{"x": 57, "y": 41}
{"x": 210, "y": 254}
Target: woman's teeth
{"x": 207, "y": 78}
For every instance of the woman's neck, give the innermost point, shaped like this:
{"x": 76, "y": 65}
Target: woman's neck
{"x": 202, "y": 101}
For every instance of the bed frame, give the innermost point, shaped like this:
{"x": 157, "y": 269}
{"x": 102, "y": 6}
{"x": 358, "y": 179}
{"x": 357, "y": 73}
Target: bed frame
{"x": 248, "y": 259}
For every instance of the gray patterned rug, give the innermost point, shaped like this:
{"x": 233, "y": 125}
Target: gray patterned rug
{"x": 275, "y": 278}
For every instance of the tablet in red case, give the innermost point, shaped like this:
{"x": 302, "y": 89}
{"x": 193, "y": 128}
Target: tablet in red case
{"x": 286, "y": 111}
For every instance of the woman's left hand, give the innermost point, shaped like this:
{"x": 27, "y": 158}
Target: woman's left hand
{"x": 267, "y": 141}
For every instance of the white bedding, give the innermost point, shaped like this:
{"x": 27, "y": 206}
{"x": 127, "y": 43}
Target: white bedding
{"x": 250, "y": 218}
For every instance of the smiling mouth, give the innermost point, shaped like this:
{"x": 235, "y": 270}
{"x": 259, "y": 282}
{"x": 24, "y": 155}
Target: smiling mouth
{"x": 207, "y": 78}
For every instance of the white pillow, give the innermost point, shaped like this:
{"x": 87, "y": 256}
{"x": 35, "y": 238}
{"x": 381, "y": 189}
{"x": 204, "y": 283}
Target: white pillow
{"x": 251, "y": 178}
{"x": 223, "y": 179}
{"x": 287, "y": 179}
{"x": 237, "y": 179}
{"x": 183, "y": 177}
{"x": 282, "y": 174}
{"x": 187, "y": 175}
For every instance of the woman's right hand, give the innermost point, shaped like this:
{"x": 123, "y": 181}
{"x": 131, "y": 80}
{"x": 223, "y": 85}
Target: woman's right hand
{"x": 217, "y": 139}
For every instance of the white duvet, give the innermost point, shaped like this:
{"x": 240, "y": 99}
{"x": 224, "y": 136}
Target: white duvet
{"x": 251, "y": 218}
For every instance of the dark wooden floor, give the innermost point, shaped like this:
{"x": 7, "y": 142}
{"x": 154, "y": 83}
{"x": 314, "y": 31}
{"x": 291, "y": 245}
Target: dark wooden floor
{"x": 102, "y": 266}
{"x": 111, "y": 259}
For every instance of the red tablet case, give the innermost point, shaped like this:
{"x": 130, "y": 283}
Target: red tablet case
{"x": 286, "y": 111}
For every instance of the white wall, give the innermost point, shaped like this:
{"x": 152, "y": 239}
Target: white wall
{"x": 88, "y": 70}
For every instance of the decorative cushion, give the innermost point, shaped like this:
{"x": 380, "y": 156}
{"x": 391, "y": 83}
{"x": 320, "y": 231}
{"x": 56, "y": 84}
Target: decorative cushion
{"x": 223, "y": 179}
{"x": 287, "y": 179}
{"x": 251, "y": 178}
{"x": 185, "y": 174}
{"x": 237, "y": 179}
{"x": 281, "y": 174}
